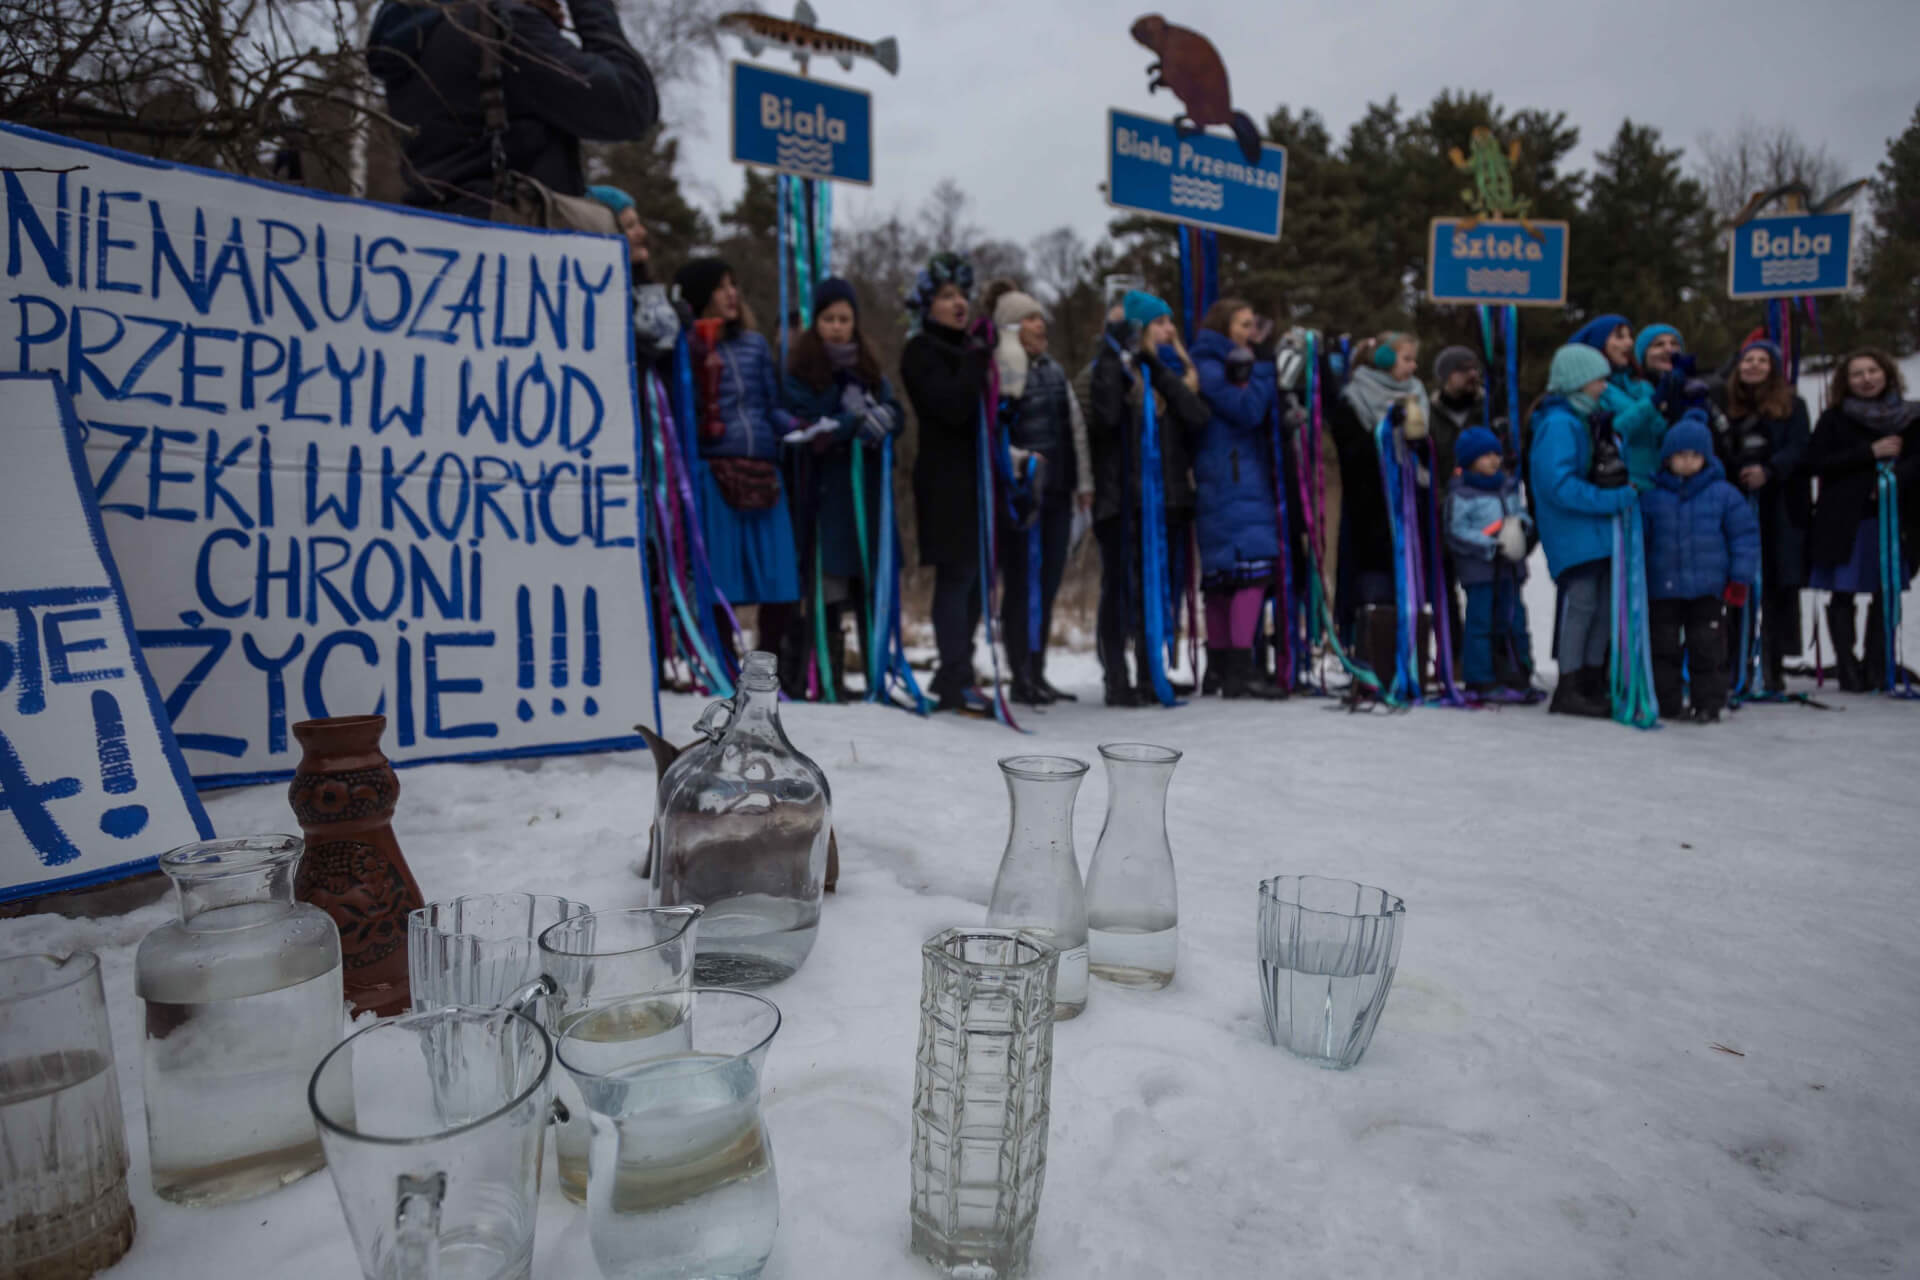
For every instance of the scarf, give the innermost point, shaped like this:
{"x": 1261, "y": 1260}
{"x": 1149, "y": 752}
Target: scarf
{"x": 1494, "y": 483}
{"x": 1581, "y": 404}
{"x": 1372, "y": 392}
{"x": 1887, "y": 416}
{"x": 842, "y": 355}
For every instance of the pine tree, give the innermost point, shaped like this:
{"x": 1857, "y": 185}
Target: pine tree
{"x": 1890, "y": 307}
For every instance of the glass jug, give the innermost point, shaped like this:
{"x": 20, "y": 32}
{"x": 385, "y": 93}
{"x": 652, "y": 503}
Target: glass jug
{"x": 1132, "y": 906}
{"x": 743, "y": 832}
{"x": 1038, "y": 889}
{"x": 243, "y": 997}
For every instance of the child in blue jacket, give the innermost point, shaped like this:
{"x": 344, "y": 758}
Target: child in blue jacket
{"x": 1703, "y": 548}
{"x": 1490, "y": 534}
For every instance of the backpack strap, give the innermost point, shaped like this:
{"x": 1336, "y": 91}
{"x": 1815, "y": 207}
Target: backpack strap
{"x": 493, "y": 103}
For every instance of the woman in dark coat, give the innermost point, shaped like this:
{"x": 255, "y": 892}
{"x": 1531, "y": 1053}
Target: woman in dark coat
{"x": 1867, "y": 423}
{"x": 1235, "y": 509}
{"x": 834, "y": 384}
{"x": 944, "y": 372}
{"x": 1385, "y": 373}
{"x": 1141, "y": 349}
{"x": 1764, "y": 450}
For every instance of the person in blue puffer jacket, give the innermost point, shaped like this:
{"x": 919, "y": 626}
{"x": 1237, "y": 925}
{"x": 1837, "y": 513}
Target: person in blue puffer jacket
{"x": 1235, "y": 511}
{"x": 1490, "y": 534}
{"x": 743, "y": 505}
{"x": 1576, "y": 524}
{"x": 1637, "y": 419}
{"x": 1703, "y": 548}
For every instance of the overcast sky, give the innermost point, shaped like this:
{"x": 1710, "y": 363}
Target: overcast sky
{"x": 1009, "y": 97}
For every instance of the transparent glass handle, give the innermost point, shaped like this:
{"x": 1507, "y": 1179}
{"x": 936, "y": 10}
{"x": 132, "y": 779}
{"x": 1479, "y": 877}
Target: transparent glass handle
{"x": 416, "y": 1220}
{"x": 713, "y": 722}
{"x": 541, "y": 988}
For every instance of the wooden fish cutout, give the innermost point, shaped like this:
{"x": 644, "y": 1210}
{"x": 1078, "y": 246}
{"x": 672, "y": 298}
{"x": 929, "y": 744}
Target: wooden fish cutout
{"x": 803, "y": 38}
{"x": 1191, "y": 67}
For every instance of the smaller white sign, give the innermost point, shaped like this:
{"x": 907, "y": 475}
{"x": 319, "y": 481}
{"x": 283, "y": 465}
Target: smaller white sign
{"x": 92, "y": 784}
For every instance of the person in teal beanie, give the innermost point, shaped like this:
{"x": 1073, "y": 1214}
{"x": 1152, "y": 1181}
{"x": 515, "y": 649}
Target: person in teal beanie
{"x": 1575, "y": 517}
{"x": 1637, "y": 419}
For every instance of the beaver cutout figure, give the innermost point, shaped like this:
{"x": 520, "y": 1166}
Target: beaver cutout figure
{"x": 1191, "y": 67}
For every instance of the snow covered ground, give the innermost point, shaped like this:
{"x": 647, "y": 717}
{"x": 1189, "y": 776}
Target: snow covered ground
{"x": 1591, "y": 911}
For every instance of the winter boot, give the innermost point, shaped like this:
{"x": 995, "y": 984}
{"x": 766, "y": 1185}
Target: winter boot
{"x": 1210, "y": 682}
{"x": 1874, "y": 668}
{"x": 1577, "y": 694}
{"x": 1846, "y": 667}
{"x": 1238, "y": 680}
{"x": 1045, "y": 686}
{"x": 835, "y": 665}
{"x": 1378, "y": 640}
{"x": 1120, "y": 695}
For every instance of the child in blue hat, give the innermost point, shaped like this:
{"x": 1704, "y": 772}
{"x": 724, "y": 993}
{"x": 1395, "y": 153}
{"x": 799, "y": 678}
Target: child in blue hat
{"x": 1703, "y": 548}
{"x": 1491, "y": 535}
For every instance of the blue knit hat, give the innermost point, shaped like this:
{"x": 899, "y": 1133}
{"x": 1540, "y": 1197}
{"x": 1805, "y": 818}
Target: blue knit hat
{"x": 1574, "y": 366}
{"x": 1770, "y": 347}
{"x": 1690, "y": 434}
{"x": 831, "y": 290}
{"x": 1595, "y": 332}
{"x": 1474, "y": 444}
{"x": 1142, "y": 308}
{"x": 612, "y": 197}
{"x": 1646, "y": 337}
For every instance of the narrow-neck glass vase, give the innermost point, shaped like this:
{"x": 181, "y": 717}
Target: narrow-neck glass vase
{"x": 1132, "y": 906}
{"x": 243, "y": 996}
{"x": 1038, "y": 889}
{"x": 743, "y": 832}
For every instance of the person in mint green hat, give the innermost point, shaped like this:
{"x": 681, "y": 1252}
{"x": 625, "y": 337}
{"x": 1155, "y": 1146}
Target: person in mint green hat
{"x": 1575, "y": 517}
{"x": 1637, "y": 419}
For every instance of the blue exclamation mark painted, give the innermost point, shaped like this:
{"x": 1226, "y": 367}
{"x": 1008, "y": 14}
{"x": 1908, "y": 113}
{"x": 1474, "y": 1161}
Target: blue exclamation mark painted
{"x": 116, "y": 768}
{"x": 559, "y": 647}
{"x": 523, "y": 624}
{"x": 590, "y": 628}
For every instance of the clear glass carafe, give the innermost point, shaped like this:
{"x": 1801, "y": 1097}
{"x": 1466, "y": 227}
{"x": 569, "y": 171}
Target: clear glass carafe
{"x": 1132, "y": 907}
{"x": 1038, "y": 889}
{"x": 743, "y": 832}
{"x": 243, "y": 998}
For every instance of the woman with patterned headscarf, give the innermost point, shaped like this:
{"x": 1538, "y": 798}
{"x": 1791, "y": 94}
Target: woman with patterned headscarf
{"x": 944, "y": 372}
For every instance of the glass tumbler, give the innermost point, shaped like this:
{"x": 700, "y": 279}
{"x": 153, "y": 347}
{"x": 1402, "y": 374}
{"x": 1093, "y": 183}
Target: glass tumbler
{"x": 592, "y": 960}
{"x": 432, "y": 1124}
{"x": 64, "y": 1211}
{"x": 1328, "y": 949}
{"x": 982, "y": 1084}
{"x": 479, "y": 949}
{"x": 682, "y": 1181}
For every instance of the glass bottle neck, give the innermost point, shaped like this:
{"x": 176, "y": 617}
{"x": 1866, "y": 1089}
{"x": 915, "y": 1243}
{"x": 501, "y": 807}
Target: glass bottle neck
{"x": 757, "y": 708}
{"x": 1137, "y": 792}
{"x": 1043, "y": 812}
{"x": 208, "y": 902}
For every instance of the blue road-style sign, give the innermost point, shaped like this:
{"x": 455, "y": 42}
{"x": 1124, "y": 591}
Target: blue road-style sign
{"x": 1791, "y": 254}
{"x": 807, "y": 128}
{"x": 1497, "y": 262}
{"x": 1198, "y": 179}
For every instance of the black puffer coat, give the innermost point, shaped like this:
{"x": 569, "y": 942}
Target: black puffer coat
{"x": 1114, "y": 429}
{"x": 557, "y": 93}
{"x": 1786, "y": 499}
{"x": 1841, "y": 458}
{"x": 944, "y": 377}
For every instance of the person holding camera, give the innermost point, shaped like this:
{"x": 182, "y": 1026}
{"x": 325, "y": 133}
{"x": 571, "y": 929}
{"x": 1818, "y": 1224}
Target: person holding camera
{"x": 1764, "y": 448}
{"x": 1579, "y": 485}
{"x": 494, "y": 92}
{"x": 1637, "y": 417}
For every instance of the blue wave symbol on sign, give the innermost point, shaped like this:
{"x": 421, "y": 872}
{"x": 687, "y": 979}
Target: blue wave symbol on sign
{"x": 804, "y": 155}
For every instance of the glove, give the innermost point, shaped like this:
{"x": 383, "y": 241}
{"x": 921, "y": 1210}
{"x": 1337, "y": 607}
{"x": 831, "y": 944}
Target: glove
{"x": 656, "y": 324}
{"x": 879, "y": 422}
{"x": 1513, "y": 539}
{"x": 1735, "y": 595}
{"x": 1239, "y": 366}
{"x": 1601, "y": 419}
{"x": 1695, "y": 390}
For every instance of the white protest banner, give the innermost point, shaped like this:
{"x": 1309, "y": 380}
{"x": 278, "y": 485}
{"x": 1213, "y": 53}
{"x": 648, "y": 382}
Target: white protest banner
{"x": 92, "y": 786}
{"x": 351, "y": 458}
